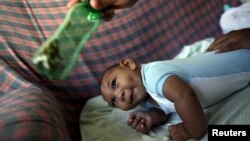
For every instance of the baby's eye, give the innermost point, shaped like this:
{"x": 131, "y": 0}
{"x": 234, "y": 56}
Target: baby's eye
{"x": 113, "y": 102}
{"x": 114, "y": 84}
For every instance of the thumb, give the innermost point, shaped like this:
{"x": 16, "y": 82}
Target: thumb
{"x": 101, "y": 4}
{"x": 72, "y": 2}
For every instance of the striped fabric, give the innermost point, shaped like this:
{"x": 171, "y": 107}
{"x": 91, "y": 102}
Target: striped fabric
{"x": 150, "y": 30}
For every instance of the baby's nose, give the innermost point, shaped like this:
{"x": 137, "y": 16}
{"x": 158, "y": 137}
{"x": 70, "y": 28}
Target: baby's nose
{"x": 122, "y": 96}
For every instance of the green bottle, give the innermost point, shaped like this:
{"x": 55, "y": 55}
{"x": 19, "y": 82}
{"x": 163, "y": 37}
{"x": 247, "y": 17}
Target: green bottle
{"x": 58, "y": 54}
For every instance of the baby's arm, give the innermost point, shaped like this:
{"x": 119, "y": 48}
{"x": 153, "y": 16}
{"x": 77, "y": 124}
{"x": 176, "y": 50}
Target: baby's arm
{"x": 143, "y": 121}
{"x": 188, "y": 108}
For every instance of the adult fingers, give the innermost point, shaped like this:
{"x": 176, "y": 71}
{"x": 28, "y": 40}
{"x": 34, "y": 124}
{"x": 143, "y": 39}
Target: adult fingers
{"x": 227, "y": 49}
{"x": 217, "y": 43}
{"x": 102, "y": 4}
{"x": 107, "y": 14}
{"x": 72, "y": 2}
{"x": 116, "y": 4}
{"x": 96, "y": 4}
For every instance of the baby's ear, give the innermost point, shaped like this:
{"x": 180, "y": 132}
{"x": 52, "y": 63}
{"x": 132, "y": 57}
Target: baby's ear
{"x": 128, "y": 63}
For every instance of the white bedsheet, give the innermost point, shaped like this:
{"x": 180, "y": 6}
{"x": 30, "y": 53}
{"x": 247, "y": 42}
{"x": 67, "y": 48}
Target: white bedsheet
{"x": 99, "y": 122}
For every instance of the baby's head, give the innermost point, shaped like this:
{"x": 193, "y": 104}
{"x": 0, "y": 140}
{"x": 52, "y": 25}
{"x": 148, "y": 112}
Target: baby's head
{"x": 121, "y": 85}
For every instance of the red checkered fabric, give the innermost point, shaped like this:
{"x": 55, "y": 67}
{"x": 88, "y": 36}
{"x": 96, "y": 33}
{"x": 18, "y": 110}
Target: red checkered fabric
{"x": 31, "y": 114}
{"x": 150, "y": 30}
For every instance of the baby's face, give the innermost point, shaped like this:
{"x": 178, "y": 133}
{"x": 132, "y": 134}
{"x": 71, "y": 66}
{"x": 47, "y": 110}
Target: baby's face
{"x": 123, "y": 88}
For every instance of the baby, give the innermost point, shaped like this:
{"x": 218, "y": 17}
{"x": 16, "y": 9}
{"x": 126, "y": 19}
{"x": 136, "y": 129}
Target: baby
{"x": 185, "y": 86}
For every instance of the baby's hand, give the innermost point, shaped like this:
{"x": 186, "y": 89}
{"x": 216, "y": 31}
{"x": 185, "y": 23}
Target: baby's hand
{"x": 178, "y": 132}
{"x": 141, "y": 121}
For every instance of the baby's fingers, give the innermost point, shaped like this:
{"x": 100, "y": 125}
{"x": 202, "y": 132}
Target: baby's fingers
{"x": 173, "y": 133}
{"x": 135, "y": 122}
{"x": 131, "y": 118}
{"x": 141, "y": 126}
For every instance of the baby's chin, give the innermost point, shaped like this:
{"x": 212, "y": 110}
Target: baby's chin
{"x": 128, "y": 108}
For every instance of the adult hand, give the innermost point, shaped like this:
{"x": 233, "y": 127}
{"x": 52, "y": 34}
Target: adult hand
{"x": 107, "y": 7}
{"x": 237, "y": 39}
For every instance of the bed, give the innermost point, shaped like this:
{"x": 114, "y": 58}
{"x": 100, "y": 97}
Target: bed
{"x": 50, "y": 109}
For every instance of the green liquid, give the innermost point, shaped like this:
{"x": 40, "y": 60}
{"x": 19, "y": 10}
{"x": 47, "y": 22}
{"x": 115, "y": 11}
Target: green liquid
{"x": 57, "y": 55}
